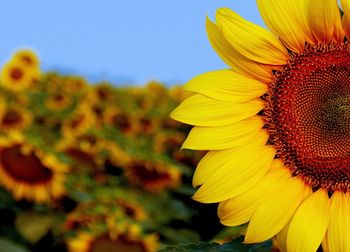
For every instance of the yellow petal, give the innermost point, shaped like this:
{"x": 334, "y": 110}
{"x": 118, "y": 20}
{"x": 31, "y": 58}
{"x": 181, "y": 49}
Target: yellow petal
{"x": 233, "y": 58}
{"x": 286, "y": 20}
{"x": 281, "y": 237}
{"x": 345, "y": 4}
{"x": 226, "y": 85}
{"x": 213, "y": 160}
{"x": 201, "y": 110}
{"x": 246, "y": 166}
{"x": 338, "y": 233}
{"x": 223, "y": 137}
{"x": 301, "y": 10}
{"x": 275, "y": 211}
{"x": 251, "y": 40}
{"x": 324, "y": 20}
{"x": 239, "y": 209}
{"x": 309, "y": 223}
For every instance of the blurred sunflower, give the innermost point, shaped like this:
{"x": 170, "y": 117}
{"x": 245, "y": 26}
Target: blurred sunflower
{"x": 29, "y": 173}
{"x": 146, "y": 124}
{"x": 58, "y": 101}
{"x": 128, "y": 240}
{"x": 82, "y": 152}
{"x": 102, "y": 93}
{"x": 79, "y": 122}
{"x": 28, "y": 58}
{"x": 116, "y": 156}
{"x": 277, "y": 124}
{"x": 156, "y": 88}
{"x": 15, "y": 118}
{"x": 17, "y": 76}
{"x": 132, "y": 209}
{"x": 75, "y": 85}
{"x": 152, "y": 176}
{"x": 120, "y": 119}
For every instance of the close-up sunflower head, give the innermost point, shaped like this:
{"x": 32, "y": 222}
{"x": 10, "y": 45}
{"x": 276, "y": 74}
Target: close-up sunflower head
{"x": 275, "y": 124}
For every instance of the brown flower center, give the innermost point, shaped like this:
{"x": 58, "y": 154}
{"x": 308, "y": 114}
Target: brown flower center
{"x": 16, "y": 73}
{"x": 308, "y": 115}
{"x": 22, "y": 167}
{"x": 11, "y": 117}
{"x": 149, "y": 175}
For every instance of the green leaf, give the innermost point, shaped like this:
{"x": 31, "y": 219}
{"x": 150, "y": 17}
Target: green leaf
{"x": 10, "y": 246}
{"x": 34, "y": 226}
{"x": 233, "y": 246}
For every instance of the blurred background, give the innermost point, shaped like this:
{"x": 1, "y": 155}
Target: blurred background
{"x": 89, "y": 158}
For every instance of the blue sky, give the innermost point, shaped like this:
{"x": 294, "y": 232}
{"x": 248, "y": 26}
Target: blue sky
{"x": 124, "y": 41}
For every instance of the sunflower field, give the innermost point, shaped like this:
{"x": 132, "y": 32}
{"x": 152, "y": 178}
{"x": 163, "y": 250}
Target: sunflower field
{"x": 93, "y": 167}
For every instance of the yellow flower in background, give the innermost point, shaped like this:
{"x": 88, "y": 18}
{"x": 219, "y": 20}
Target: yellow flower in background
{"x": 16, "y": 76}
{"x": 29, "y": 173}
{"x": 120, "y": 119}
{"x": 75, "y": 85}
{"x": 152, "y": 176}
{"x": 15, "y": 118}
{"x": 28, "y": 58}
{"x": 84, "y": 154}
{"x": 129, "y": 240}
{"x": 21, "y": 71}
{"x": 58, "y": 101}
{"x": 79, "y": 122}
{"x": 277, "y": 124}
{"x": 132, "y": 209}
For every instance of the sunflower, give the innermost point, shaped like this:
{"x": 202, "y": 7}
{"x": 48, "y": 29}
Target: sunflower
{"x": 103, "y": 93}
{"x": 276, "y": 124}
{"x": 28, "y": 172}
{"x": 146, "y": 124}
{"x": 116, "y": 157}
{"x": 15, "y": 118}
{"x": 58, "y": 101}
{"x": 28, "y": 58}
{"x": 75, "y": 84}
{"x": 82, "y": 150}
{"x": 79, "y": 122}
{"x": 120, "y": 119}
{"x": 17, "y": 76}
{"x": 152, "y": 176}
{"x": 128, "y": 240}
{"x": 132, "y": 209}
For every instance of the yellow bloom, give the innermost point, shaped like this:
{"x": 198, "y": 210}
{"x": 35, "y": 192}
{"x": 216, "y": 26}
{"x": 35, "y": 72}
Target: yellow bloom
{"x": 105, "y": 242}
{"x": 277, "y": 124}
{"x": 16, "y": 76}
{"x": 152, "y": 176}
{"x": 58, "y": 100}
{"x": 75, "y": 85}
{"x": 29, "y": 173}
{"x": 120, "y": 119}
{"x": 79, "y": 123}
{"x": 15, "y": 118}
{"x": 28, "y": 58}
{"x": 83, "y": 151}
